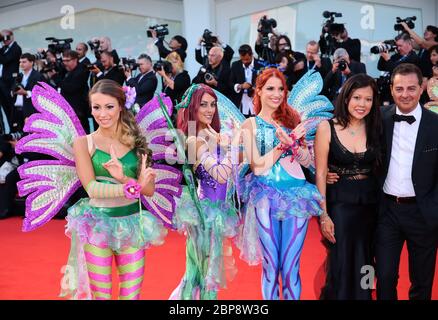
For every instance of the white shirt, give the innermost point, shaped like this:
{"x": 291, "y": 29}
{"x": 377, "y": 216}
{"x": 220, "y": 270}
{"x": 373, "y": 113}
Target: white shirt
{"x": 247, "y": 104}
{"x": 399, "y": 179}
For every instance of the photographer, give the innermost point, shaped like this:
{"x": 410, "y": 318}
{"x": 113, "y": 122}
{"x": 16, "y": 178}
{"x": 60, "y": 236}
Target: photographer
{"x": 145, "y": 83}
{"x": 242, "y": 80}
{"x": 104, "y": 44}
{"x": 405, "y": 54}
{"x": 82, "y": 49}
{"x": 110, "y": 69}
{"x": 9, "y": 62}
{"x": 177, "y": 43}
{"x": 176, "y": 79}
{"x": 315, "y": 61}
{"x": 430, "y": 39}
{"x": 343, "y": 68}
{"x": 265, "y": 45}
{"x": 74, "y": 88}
{"x": 216, "y": 73}
{"x": 208, "y": 41}
{"x": 22, "y": 90}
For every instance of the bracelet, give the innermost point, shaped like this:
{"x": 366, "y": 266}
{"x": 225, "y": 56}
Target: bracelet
{"x": 132, "y": 189}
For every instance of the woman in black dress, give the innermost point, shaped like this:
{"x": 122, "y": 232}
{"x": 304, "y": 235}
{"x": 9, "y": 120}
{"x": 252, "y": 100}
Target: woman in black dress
{"x": 349, "y": 146}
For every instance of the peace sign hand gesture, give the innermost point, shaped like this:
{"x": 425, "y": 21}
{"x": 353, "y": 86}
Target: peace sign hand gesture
{"x": 147, "y": 174}
{"x": 114, "y": 166}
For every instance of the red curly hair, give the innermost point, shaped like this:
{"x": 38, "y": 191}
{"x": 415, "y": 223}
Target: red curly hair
{"x": 284, "y": 114}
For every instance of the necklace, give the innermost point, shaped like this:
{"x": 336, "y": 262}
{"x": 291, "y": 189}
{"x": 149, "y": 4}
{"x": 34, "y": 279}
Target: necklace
{"x": 355, "y": 131}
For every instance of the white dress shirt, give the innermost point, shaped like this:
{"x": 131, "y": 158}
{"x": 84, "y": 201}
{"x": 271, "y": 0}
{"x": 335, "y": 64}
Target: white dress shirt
{"x": 247, "y": 104}
{"x": 399, "y": 179}
{"x": 20, "y": 98}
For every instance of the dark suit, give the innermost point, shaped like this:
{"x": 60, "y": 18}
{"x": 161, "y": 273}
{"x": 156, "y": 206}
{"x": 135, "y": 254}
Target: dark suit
{"x": 85, "y": 62}
{"x": 326, "y": 66}
{"x": 237, "y": 76}
{"x": 32, "y": 80}
{"x": 144, "y": 87}
{"x": 10, "y": 60}
{"x": 333, "y": 81}
{"x": 74, "y": 89}
{"x": 222, "y": 75}
{"x": 397, "y": 59}
{"x": 415, "y": 222}
{"x": 113, "y": 73}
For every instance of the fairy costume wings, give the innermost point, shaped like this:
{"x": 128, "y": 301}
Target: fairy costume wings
{"x": 313, "y": 108}
{"x": 48, "y": 184}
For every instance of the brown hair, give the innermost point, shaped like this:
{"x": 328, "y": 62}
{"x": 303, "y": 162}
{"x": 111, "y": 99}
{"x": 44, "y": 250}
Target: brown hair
{"x": 129, "y": 132}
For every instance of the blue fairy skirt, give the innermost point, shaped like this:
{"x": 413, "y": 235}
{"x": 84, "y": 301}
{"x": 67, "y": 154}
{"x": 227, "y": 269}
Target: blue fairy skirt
{"x": 301, "y": 201}
{"x": 116, "y": 228}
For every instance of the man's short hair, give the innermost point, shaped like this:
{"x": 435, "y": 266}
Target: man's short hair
{"x": 84, "y": 45}
{"x": 312, "y": 43}
{"x": 406, "y": 69}
{"x": 404, "y": 36}
{"x": 245, "y": 49}
{"x": 145, "y": 56}
{"x": 340, "y": 53}
{"x": 28, "y": 56}
{"x": 71, "y": 54}
{"x": 182, "y": 41}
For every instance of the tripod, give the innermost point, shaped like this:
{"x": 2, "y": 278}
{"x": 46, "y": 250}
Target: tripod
{"x": 266, "y": 51}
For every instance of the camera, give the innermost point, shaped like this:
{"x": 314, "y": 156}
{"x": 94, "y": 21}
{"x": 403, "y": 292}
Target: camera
{"x": 40, "y": 55}
{"x": 94, "y": 46}
{"x": 330, "y": 30}
{"x": 209, "y": 39}
{"x": 208, "y": 76}
{"x": 409, "y": 21}
{"x": 18, "y": 77}
{"x": 342, "y": 65}
{"x": 14, "y": 136}
{"x": 266, "y": 25}
{"x": 161, "y": 30}
{"x": 163, "y": 65}
{"x": 385, "y": 46}
{"x": 130, "y": 64}
{"x": 58, "y": 46}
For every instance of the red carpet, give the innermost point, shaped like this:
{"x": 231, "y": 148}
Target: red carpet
{"x": 30, "y": 265}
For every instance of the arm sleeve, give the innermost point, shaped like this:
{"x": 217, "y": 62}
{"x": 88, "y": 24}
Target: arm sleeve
{"x": 218, "y": 170}
{"x": 99, "y": 190}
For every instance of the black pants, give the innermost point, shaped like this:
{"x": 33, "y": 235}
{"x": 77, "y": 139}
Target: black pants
{"x": 8, "y": 191}
{"x": 398, "y": 223}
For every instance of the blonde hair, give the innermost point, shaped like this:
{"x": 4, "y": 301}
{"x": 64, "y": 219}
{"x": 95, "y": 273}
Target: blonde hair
{"x": 128, "y": 132}
{"x": 176, "y": 61}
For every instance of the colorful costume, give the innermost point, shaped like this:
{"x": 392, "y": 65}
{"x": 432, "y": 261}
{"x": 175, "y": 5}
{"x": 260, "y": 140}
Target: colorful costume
{"x": 207, "y": 217}
{"x": 279, "y": 204}
{"x": 104, "y": 225}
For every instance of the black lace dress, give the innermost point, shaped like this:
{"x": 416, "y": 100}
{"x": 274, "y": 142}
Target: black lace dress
{"x": 352, "y": 206}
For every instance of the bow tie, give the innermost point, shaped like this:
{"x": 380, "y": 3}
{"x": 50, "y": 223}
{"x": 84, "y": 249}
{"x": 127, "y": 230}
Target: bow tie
{"x": 408, "y": 119}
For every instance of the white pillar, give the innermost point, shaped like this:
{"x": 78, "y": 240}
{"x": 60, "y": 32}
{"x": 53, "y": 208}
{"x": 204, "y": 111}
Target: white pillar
{"x": 198, "y": 16}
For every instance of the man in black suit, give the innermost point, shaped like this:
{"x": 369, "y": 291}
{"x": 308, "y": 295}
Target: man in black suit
{"x": 242, "y": 80}
{"x": 23, "y": 93}
{"x": 343, "y": 68}
{"x": 145, "y": 83}
{"x": 82, "y": 49}
{"x": 9, "y": 63}
{"x": 110, "y": 70}
{"x": 314, "y": 60}
{"x": 217, "y": 72}
{"x": 205, "y": 47}
{"x": 409, "y": 206}
{"x": 405, "y": 54}
{"x": 74, "y": 87}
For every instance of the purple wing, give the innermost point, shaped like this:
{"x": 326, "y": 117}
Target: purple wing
{"x": 154, "y": 127}
{"x": 167, "y": 186}
{"x": 49, "y": 183}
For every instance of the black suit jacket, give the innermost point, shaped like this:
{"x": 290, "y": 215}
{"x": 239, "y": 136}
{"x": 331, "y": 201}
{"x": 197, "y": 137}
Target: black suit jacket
{"x": 115, "y": 74}
{"x": 74, "y": 89}
{"x": 222, "y": 74}
{"x": 425, "y": 163}
{"x": 33, "y": 79}
{"x": 237, "y": 76}
{"x": 10, "y": 61}
{"x": 326, "y": 66}
{"x": 145, "y": 89}
{"x": 394, "y": 61}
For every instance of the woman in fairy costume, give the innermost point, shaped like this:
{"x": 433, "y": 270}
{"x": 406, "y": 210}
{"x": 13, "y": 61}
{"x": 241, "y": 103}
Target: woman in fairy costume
{"x": 279, "y": 201}
{"x": 113, "y": 165}
{"x": 208, "y": 257}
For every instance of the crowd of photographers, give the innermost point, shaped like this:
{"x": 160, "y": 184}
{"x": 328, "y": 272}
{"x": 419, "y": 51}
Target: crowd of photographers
{"x": 334, "y": 55}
